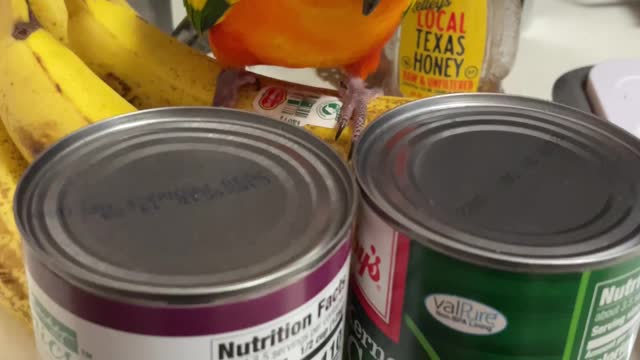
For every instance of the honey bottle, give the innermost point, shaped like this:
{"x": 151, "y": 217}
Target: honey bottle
{"x": 449, "y": 46}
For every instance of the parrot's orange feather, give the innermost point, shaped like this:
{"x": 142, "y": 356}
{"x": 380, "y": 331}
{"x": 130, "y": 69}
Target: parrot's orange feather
{"x": 305, "y": 33}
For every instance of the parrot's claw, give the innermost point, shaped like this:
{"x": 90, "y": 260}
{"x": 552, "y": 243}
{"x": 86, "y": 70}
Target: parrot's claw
{"x": 355, "y": 97}
{"x": 229, "y": 83}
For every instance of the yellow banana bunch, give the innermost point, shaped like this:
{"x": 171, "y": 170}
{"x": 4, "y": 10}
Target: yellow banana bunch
{"x": 46, "y": 91}
{"x": 146, "y": 66}
{"x": 13, "y": 286}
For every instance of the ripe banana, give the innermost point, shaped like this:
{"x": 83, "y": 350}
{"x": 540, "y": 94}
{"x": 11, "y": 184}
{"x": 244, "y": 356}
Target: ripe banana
{"x": 13, "y": 286}
{"x": 146, "y": 66}
{"x": 46, "y": 91}
{"x": 52, "y": 15}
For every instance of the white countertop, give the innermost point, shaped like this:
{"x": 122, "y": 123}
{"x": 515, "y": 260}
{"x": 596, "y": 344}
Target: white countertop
{"x": 562, "y": 35}
{"x": 567, "y": 34}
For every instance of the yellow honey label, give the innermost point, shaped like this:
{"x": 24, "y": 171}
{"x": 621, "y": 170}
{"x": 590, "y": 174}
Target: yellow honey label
{"x": 442, "y": 47}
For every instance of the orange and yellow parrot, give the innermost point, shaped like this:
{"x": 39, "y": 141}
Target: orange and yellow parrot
{"x": 345, "y": 34}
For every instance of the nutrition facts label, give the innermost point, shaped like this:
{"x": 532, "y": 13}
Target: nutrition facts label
{"x": 613, "y": 319}
{"x": 314, "y": 331}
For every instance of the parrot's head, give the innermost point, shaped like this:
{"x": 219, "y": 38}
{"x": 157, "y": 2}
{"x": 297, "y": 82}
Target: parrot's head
{"x": 203, "y": 14}
{"x": 369, "y": 6}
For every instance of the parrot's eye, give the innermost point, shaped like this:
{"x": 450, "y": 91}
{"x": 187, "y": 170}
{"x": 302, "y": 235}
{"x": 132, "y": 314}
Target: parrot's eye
{"x": 369, "y": 6}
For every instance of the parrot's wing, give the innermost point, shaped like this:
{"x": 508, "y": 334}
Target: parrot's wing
{"x": 206, "y": 13}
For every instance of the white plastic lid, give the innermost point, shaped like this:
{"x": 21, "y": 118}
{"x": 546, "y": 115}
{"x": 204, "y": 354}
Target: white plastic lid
{"x": 613, "y": 89}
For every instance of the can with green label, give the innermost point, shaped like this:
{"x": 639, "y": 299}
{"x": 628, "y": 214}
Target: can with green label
{"x": 495, "y": 227}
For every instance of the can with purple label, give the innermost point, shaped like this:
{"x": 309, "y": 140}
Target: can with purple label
{"x": 188, "y": 233}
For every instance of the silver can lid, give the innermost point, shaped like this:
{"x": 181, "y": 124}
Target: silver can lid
{"x": 512, "y": 182}
{"x": 186, "y": 201}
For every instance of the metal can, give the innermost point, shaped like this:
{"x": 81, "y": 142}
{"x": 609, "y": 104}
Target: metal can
{"x": 188, "y": 233}
{"x": 495, "y": 227}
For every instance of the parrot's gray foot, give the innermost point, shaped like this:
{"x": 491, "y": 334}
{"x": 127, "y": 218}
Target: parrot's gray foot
{"x": 355, "y": 97}
{"x": 229, "y": 83}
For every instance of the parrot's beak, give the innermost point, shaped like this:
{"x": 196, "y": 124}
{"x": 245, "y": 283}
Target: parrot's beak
{"x": 369, "y": 6}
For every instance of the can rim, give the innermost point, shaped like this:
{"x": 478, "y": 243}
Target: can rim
{"x": 83, "y": 277}
{"x": 448, "y": 245}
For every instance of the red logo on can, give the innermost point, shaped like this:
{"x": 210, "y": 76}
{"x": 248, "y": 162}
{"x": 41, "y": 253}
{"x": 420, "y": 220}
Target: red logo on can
{"x": 368, "y": 261}
{"x": 379, "y": 269}
{"x": 272, "y": 97}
